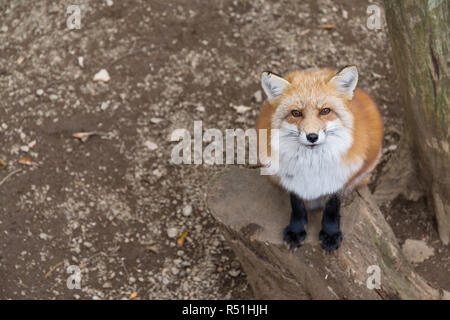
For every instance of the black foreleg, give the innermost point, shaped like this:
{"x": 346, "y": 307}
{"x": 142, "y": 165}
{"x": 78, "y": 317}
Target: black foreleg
{"x": 331, "y": 235}
{"x": 294, "y": 234}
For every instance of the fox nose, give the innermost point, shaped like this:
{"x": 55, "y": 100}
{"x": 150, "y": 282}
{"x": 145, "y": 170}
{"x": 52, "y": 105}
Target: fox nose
{"x": 312, "y": 137}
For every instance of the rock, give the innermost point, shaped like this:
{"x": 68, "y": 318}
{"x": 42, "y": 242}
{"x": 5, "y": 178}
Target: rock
{"x": 156, "y": 120}
{"x": 151, "y": 145}
{"x": 39, "y": 92}
{"x": 416, "y": 251}
{"x": 242, "y": 109}
{"x": 187, "y": 210}
{"x": 43, "y": 236}
{"x": 87, "y": 244}
{"x": 345, "y": 14}
{"x": 101, "y": 76}
{"x": 258, "y": 96}
{"x": 172, "y": 232}
{"x": 234, "y": 273}
{"x": 157, "y": 173}
{"x": 81, "y": 62}
{"x": 104, "y": 105}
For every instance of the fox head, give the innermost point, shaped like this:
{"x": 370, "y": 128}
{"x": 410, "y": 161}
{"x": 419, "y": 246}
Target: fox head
{"x": 311, "y": 108}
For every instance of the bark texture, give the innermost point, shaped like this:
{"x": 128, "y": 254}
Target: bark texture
{"x": 253, "y": 213}
{"x": 419, "y": 31}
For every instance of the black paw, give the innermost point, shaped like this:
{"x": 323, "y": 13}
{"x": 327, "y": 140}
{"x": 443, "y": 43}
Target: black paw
{"x": 330, "y": 242}
{"x": 293, "y": 238}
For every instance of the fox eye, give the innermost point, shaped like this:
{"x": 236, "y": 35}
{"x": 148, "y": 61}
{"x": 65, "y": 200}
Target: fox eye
{"x": 296, "y": 113}
{"x": 324, "y": 111}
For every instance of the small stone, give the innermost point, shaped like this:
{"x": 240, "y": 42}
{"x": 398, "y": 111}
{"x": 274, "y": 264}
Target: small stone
{"x": 172, "y": 232}
{"x": 185, "y": 264}
{"x": 344, "y": 14}
{"x": 102, "y": 76}
{"x": 258, "y": 96}
{"x": 39, "y": 92}
{"x": 151, "y": 145}
{"x": 81, "y": 62}
{"x": 175, "y": 270}
{"x": 234, "y": 273}
{"x": 104, "y": 105}
{"x": 156, "y": 120}
{"x": 87, "y": 244}
{"x": 53, "y": 97}
{"x": 187, "y": 210}
{"x": 43, "y": 236}
{"x": 107, "y": 285}
{"x": 157, "y": 173}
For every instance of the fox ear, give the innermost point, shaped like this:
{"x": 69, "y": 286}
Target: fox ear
{"x": 345, "y": 80}
{"x": 273, "y": 84}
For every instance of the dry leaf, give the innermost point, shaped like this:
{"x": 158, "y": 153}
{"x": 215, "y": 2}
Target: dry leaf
{"x": 153, "y": 249}
{"x": 304, "y": 32}
{"x": 3, "y": 164}
{"x": 83, "y": 136}
{"x": 181, "y": 239}
{"x": 133, "y": 295}
{"x": 28, "y": 162}
{"x": 327, "y": 26}
{"x": 56, "y": 266}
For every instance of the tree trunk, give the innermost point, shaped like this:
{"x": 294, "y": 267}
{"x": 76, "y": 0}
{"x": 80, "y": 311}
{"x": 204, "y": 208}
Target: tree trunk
{"x": 253, "y": 213}
{"x": 419, "y": 31}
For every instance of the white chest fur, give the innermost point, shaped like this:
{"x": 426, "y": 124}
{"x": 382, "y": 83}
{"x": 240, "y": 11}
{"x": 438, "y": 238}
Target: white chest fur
{"x": 312, "y": 173}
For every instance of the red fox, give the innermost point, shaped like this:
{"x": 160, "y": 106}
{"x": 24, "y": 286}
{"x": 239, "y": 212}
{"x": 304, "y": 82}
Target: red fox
{"x": 329, "y": 140}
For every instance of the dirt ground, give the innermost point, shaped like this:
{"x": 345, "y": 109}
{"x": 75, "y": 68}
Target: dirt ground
{"x": 114, "y": 205}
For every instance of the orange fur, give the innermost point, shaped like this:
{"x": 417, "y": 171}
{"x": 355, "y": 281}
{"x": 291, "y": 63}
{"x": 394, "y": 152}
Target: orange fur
{"x": 367, "y": 136}
{"x": 312, "y": 87}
